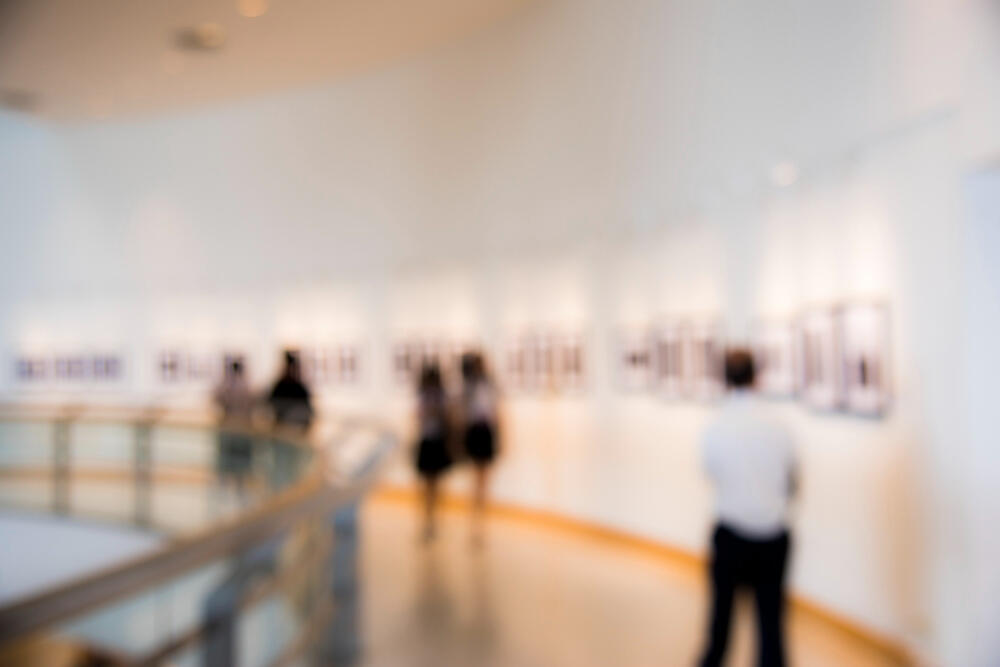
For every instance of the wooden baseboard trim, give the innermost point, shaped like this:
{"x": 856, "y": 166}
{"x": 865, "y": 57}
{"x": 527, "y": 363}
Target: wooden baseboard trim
{"x": 677, "y": 556}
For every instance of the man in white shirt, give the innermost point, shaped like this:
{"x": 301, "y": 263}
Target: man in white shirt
{"x": 751, "y": 463}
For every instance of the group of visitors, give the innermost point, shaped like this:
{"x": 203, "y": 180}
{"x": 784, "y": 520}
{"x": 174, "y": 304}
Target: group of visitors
{"x": 453, "y": 428}
{"x": 749, "y": 459}
{"x": 288, "y": 403}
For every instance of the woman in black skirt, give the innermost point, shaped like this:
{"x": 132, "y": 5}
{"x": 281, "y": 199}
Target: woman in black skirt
{"x": 479, "y": 413}
{"x": 432, "y": 455}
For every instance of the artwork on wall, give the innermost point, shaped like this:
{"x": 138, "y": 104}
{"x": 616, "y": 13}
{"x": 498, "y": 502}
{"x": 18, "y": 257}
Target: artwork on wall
{"x": 31, "y": 369}
{"x": 670, "y": 360}
{"x": 864, "y": 334}
{"x": 548, "y": 361}
{"x": 634, "y": 360}
{"x": 774, "y": 355}
{"x": 406, "y": 360}
{"x": 179, "y": 367}
{"x": 820, "y": 379}
{"x": 517, "y": 369}
{"x": 172, "y": 365}
{"x": 410, "y": 355}
{"x": 348, "y": 362}
{"x": 705, "y": 352}
{"x": 231, "y": 358}
{"x": 331, "y": 366}
{"x": 70, "y": 369}
{"x": 570, "y": 362}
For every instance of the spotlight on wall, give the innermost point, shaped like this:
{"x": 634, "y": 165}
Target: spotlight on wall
{"x": 251, "y": 8}
{"x": 784, "y": 173}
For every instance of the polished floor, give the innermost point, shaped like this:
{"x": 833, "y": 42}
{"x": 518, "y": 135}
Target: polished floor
{"x": 538, "y": 597}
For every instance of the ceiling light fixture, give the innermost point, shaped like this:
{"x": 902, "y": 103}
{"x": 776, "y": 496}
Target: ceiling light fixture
{"x": 251, "y": 9}
{"x": 784, "y": 173}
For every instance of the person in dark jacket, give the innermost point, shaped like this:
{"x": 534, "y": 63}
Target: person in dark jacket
{"x": 289, "y": 399}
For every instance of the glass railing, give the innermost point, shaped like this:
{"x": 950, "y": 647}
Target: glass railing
{"x": 255, "y": 559}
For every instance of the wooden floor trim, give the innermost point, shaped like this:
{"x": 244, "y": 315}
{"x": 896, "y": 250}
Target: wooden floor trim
{"x": 677, "y": 556}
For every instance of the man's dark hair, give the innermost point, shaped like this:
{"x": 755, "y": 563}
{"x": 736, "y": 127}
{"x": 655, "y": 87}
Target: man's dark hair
{"x": 740, "y": 369}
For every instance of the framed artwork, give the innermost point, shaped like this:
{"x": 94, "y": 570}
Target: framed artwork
{"x": 546, "y": 366}
{"x": 230, "y": 358}
{"x": 31, "y": 369}
{"x": 348, "y": 365}
{"x": 106, "y": 367}
{"x": 774, "y": 356}
{"x": 634, "y": 358}
{"x": 571, "y": 362}
{"x": 865, "y": 376}
{"x": 516, "y": 369}
{"x": 170, "y": 365}
{"x": 407, "y": 358}
{"x": 670, "y": 360}
{"x": 705, "y": 363}
{"x": 820, "y": 377}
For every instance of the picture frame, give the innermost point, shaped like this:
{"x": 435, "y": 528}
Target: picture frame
{"x": 635, "y": 360}
{"x": 819, "y": 353}
{"x": 865, "y": 367}
{"x": 705, "y": 349}
{"x": 670, "y": 359}
{"x": 773, "y": 347}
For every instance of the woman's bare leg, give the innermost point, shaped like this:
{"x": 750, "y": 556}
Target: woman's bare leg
{"x": 430, "y": 505}
{"x": 479, "y": 495}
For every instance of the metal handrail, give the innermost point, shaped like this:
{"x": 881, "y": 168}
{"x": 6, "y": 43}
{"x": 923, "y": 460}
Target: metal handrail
{"x": 317, "y": 492}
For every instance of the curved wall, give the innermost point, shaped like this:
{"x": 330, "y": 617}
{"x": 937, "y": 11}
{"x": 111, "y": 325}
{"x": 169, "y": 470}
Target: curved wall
{"x": 586, "y": 165}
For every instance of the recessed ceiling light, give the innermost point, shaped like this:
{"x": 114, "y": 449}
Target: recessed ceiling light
{"x": 252, "y": 8}
{"x": 784, "y": 173}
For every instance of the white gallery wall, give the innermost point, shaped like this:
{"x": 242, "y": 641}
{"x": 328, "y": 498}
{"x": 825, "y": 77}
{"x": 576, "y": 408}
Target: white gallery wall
{"x": 586, "y": 167}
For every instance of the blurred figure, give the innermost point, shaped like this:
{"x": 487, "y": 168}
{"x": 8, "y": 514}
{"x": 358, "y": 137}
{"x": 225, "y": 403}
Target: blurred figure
{"x": 751, "y": 463}
{"x": 235, "y": 402}
{"x": 432, "y": 456}
{"x": 479, "y": 418}
{"x": 289, "y": 398}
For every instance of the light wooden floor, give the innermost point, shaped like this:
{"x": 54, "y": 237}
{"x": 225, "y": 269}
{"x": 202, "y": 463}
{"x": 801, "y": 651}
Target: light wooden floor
{"x": 537, "y": 597}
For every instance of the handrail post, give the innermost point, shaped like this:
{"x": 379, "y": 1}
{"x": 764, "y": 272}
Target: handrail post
{"x": 143, "y": 473}
{"x": 341, "y": 644}
{"x": 60, "y": 466}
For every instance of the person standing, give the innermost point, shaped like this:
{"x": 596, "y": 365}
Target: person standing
{"x": 236, "y": 402}
{"x": 433, "y": 457}
{"x": 751, "y": 463}
{"x": 289, "y": 399}
{"x": 479, "y": 417}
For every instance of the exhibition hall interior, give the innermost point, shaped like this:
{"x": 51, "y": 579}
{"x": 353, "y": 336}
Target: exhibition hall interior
{"x": 514, "y": 333}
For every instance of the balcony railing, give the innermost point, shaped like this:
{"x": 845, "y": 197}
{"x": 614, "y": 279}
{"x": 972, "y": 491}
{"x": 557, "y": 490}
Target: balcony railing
{"x": 258, "y": 527}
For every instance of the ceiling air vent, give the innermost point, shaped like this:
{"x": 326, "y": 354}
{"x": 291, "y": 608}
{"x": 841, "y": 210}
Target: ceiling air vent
{"x": 202, "y": 37}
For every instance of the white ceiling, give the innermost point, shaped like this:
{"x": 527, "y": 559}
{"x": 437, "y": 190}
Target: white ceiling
{"x": 97, "y": 58}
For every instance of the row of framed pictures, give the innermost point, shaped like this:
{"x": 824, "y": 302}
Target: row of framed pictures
{"x": 410, "y": 355}
{"x": 535, "y": 361}
{"x": 322, "y": 366}
{"x": 74, "y": 368}
{"x": 678, "y": 360}
{"x": 833, "y": 359}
